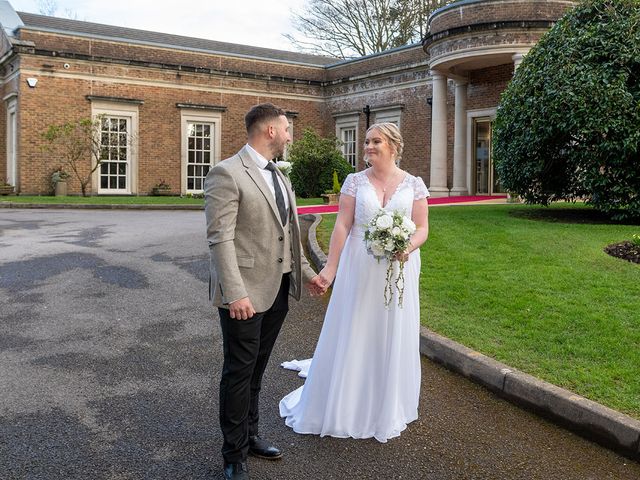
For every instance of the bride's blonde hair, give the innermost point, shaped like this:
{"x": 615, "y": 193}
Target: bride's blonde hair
{"x": 392, "y": 133}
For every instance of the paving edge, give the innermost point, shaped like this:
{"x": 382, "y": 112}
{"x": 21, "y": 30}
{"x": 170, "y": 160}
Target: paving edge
{"x": 318, "y": 257}
{"x": 585, "y": 417}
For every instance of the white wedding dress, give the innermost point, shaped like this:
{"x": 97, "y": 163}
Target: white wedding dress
{"x": 364, "y": 378}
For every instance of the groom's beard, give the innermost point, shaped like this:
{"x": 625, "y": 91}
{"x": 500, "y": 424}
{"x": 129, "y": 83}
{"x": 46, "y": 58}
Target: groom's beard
{"x": 278, "y": 151}
{"x": 278, "y": 146}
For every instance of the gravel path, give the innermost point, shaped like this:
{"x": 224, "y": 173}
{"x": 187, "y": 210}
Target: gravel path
{"x": 110, "y": 358}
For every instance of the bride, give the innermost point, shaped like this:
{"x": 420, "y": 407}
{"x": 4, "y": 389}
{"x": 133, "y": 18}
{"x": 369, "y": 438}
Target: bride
{"x": 364, "y": 378}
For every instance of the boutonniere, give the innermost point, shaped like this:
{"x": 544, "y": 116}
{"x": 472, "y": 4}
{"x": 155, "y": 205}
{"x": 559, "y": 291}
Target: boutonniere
{"x": 284, "y": 167}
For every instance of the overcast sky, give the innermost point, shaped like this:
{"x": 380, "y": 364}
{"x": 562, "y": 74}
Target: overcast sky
{"x": 248, "y": 22}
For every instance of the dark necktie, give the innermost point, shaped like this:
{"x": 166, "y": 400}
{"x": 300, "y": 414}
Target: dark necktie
{"x": 279, "y": 198}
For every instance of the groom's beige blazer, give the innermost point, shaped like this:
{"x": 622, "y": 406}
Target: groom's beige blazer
{"x": 246, "y": 236}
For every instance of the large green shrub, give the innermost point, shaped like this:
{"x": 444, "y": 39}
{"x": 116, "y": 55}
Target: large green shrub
{"x": 568, "y": 125}
{"x": 313, "y": 161}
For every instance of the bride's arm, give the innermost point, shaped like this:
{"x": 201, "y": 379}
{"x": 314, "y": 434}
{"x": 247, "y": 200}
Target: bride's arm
{"x": 341, "y": 230}
{"x": 420, "y": 216}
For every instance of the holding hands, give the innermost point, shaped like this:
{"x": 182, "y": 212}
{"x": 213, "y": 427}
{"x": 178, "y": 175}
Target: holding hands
{"x": 319, "y": 284}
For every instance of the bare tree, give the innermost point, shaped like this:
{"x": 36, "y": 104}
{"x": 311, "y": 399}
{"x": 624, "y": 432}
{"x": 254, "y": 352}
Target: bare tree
{"x": 78, "y": 146}
{"x": 47, "y": 7}
{"x": 50, "y": 7}
{"x": 350, "y": 28}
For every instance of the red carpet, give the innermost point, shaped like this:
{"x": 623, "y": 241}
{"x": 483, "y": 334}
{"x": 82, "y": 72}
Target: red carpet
{"x": 318, "y": 209}
{"x": 467, "y": 198}
{"x": 432, "y": 201}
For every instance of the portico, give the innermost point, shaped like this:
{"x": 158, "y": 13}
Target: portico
{"x": 474, "y": 47}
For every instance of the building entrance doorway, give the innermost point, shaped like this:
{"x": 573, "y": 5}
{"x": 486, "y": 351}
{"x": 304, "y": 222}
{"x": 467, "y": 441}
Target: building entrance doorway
{"x": 486, "y": 180}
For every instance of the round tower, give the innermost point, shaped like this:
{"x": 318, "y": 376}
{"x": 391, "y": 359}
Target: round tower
{"x": 476, "y": 45}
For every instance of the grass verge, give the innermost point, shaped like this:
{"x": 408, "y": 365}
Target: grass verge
{"x": 123, "y": 200}
{"x": 104, "y": 200}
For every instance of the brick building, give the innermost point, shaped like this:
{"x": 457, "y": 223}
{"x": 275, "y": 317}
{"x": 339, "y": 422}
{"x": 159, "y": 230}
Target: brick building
{"x": 175, "y": 104}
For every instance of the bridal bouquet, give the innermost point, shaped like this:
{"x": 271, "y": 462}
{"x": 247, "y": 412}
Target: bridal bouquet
{"x": 387, "y": 234}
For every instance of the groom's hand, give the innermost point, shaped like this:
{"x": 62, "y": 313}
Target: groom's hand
{"x": 241, "y": 309}
{"x": 316, "y": 286}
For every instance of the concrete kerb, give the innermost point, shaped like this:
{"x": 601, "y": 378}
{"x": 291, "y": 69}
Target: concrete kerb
{"x": 318, "y": 257}
{"x": 596, "y": 422}
{"x": 585, "y": 417}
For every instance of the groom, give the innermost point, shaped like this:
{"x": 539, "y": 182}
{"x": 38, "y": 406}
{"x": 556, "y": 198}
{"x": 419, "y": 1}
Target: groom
{"x": 255, "y": 264}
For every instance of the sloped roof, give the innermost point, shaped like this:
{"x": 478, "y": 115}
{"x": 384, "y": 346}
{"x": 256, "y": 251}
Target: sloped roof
{"x": 145, "y": 37}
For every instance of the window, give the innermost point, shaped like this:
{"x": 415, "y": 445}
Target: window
{"x": 114, "y": 154}
{"x": 348, "y": 139}
{"x": 285, "y": 155}
{"x": 118, "y": 169}
{"x": 199, "y": 154}
{"x": 200, "y": 146}
{"x": 12, "y": 140}
{"x": 347, "y": 133}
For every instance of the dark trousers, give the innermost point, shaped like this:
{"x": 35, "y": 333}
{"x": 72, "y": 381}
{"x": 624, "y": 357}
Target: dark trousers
{"x": 247, "y": 346}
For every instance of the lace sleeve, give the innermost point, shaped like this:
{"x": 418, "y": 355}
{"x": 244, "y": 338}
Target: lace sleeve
{"x": 349, "y": 186}
{"x": 419, "y": 189}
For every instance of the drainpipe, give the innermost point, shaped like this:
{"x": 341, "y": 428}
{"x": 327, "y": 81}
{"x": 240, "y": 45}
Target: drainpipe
{"x": 367, "y": 111}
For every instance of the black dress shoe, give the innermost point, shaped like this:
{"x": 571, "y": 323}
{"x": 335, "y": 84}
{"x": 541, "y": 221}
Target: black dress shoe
{"x": 236, "y": 471}
{"x": 263, "y": 449}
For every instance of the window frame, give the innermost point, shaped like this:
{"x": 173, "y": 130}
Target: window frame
{"x": 128, "y": 111}
{"x": 285, "y": 155}
{"x": 213, "y": 118}
{"x": 12, "y": 172}
{"x": 353, "y": 161}
{"x": 349, "y": 122}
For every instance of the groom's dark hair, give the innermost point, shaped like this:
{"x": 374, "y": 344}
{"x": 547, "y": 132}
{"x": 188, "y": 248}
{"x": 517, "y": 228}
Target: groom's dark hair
{"x": 261, "y": 113}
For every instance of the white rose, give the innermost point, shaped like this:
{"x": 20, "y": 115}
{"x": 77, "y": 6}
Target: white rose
{"x": 396, "y": 232}
{"x": 408, "y": 225}
{"x": 284, "y": 167}
{"x": 389, "y": 246}
{"x": 377, "y": 249}
{"x": 384, "y": 222}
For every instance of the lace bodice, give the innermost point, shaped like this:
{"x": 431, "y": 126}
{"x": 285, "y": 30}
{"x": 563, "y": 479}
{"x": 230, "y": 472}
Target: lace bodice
{"x": 357, "y": 185}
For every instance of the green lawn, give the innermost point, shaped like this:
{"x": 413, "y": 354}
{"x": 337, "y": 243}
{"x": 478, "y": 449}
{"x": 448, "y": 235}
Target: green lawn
{"x": 104, "y": 200}
{"x": 324, "y": 229}
{"x": 126, "y": 200}
{"x": 309, "y": 201}
{"x": 539, "y": 296}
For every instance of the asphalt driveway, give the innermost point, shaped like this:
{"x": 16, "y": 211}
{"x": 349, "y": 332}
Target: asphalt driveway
{"x": 110, "y": 358}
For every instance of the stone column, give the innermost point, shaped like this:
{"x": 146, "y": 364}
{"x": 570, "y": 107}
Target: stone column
{"x": 438, "y": 183}
{"x": 460, "y": 141}
{"x": 517, "y": 60}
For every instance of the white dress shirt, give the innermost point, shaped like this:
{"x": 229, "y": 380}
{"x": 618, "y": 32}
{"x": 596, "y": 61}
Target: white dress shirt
{"x": 262, "y": 162}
